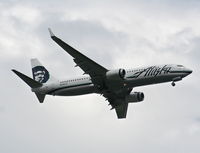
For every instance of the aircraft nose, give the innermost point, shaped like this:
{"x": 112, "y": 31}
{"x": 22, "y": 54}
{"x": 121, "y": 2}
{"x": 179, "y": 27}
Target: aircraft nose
{"x": 188, "y": 71}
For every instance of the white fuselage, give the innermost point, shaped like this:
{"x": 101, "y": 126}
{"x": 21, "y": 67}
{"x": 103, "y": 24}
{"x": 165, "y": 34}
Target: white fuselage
{"x": 133, "y": 78}
{"x": 115, "y": 85}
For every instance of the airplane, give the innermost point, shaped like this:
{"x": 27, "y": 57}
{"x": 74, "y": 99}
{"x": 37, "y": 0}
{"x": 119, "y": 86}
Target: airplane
{"x": 115, "y": 85}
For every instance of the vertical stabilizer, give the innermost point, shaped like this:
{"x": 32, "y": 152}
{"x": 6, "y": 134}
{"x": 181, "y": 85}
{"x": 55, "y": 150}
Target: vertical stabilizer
{"x": 40, "y": 73}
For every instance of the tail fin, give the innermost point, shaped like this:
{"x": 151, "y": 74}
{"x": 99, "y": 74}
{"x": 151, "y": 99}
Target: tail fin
{"x": 40, "y": 76}
{"x": 40, "y": 73}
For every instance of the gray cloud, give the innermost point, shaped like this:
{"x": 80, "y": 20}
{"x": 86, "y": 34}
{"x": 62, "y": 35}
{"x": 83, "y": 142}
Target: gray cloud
{"x": 115, "y": 34}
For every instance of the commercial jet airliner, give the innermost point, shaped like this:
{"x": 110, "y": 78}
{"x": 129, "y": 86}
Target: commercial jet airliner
{"x": 115, "y": 85}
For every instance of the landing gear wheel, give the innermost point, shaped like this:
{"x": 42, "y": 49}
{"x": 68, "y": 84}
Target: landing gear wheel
{"x": 173, "y": 84}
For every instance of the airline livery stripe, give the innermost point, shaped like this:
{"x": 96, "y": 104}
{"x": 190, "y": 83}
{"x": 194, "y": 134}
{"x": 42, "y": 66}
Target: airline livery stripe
{"x": 66, "y": 87}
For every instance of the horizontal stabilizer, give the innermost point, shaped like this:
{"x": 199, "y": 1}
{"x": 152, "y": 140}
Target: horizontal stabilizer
{"x": 32, "y": 83}
{"x": 40, "y": 97}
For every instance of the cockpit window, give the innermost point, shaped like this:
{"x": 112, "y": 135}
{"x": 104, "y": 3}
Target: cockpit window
{"x": 180, "y": 65}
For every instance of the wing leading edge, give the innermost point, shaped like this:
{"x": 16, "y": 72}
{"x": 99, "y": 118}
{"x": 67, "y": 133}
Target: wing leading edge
{"x": 96, "y": 71}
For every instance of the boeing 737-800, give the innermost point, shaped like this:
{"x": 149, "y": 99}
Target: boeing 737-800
{"x": 115, "y": 85}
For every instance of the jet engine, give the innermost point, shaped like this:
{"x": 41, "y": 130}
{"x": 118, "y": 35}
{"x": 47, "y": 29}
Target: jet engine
{"x": 116, "y": 74}
{"x": 135, "y": 97}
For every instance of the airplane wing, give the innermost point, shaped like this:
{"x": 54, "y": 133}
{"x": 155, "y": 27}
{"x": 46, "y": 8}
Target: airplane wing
{"x": 97, "y": 74}
{"x": 96, "y": 71}
{"x": 121, "y": 110}
{"x": 118, "y": 102}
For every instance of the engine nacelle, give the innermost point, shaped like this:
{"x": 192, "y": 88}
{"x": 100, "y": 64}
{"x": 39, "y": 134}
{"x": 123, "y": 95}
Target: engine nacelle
{"x": 135, "y": 97}
{"x": 116, "y": 74}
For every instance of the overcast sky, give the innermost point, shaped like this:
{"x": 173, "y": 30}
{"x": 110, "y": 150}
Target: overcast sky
{"x": 114, "y": 33}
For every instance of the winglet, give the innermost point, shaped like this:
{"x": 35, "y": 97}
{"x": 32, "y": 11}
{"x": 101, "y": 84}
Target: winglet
{"x": 51, "y": 33}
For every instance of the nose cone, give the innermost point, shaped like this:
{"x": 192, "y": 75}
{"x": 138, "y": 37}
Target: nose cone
{"x": 188, "y": 71}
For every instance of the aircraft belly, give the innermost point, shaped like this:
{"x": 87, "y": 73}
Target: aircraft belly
{"x": 74, "y": 91}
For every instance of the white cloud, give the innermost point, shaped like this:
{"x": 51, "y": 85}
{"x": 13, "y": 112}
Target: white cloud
{"x": 17, "y": 25}
{"x": 194, "y": 129}
{"x": 25, "y": 14}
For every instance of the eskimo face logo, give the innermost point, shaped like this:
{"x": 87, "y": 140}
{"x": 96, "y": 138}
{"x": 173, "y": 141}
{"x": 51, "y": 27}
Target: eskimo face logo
{"x": 40, "y": 74}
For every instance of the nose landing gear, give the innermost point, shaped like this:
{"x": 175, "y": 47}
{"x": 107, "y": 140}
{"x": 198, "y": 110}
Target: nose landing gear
{"x": 179, "y": 78}
{"x": 173, "y": 84}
